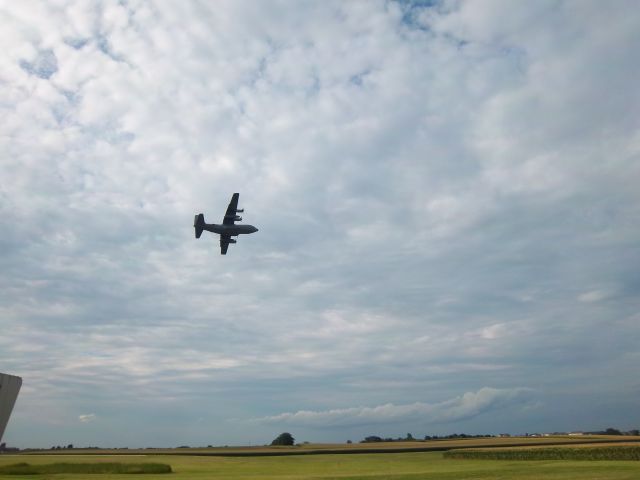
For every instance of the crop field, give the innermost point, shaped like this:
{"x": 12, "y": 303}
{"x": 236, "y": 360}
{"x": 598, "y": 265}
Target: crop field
{"x": 373, "y": 466}
{"x": 599, "y": 452}
{"x": 342, "y": 448}
{"x": 24, "y": 468}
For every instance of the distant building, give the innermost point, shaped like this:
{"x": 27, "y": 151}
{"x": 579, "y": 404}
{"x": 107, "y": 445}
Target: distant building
{"x": 9, "y": 388}
{"x": 575, "y": 434}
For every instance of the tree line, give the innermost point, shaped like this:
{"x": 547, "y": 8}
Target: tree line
{"x": 410, "y": 438}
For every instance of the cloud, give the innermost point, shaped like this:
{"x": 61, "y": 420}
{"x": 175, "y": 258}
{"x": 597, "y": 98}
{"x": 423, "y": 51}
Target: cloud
{"x": 594, "y": 296}
{"x": 467, "y": 406}
{"x": 86, "y": 418}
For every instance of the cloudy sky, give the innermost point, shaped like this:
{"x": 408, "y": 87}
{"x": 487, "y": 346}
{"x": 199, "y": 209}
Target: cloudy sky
{"x": 447, "y": 197}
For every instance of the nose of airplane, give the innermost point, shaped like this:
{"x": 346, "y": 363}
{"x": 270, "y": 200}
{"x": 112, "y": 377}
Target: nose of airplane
{"x": 255, "y": 229}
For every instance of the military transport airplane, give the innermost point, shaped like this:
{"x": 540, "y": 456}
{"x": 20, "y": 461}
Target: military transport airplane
{"x": 228, "y": 228}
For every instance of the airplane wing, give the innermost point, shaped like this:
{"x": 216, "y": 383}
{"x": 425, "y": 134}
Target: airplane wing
{"x": 224, "y": 243}
{"x": 230, "y": 215}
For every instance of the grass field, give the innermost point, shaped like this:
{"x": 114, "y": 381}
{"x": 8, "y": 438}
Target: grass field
{"x": 396, "y": 466}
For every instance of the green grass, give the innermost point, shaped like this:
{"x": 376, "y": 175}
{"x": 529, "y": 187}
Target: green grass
{"x": 386, "y": 466}
{"x": 92, "y": 468}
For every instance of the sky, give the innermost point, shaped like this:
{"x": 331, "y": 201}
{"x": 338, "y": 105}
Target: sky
{"x": 447, "y": 201}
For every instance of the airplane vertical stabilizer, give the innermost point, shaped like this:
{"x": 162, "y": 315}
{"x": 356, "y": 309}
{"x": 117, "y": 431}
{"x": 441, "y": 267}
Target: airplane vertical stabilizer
{"x": 9, "y": 388}
{"x": 198, "y": 224}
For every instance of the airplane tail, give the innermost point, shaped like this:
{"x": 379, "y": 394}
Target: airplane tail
{"x": 198, "y": 224}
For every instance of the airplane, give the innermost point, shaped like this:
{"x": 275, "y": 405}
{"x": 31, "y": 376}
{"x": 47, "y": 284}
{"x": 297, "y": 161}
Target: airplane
{"x": 228, "y": 228}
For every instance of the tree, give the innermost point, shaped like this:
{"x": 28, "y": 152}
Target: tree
{"x": 612, "y": 431}
{"x": 284, "y": 439}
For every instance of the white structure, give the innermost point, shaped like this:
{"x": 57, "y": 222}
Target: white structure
{"x": 9, "y": 388}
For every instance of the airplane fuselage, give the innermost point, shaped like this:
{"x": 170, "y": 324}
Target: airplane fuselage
{"x": 231, "y": 230}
